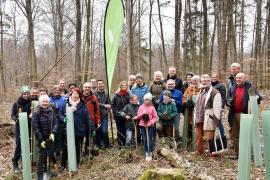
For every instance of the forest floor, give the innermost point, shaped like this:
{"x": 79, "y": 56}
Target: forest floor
{"x": 116, "y": 163}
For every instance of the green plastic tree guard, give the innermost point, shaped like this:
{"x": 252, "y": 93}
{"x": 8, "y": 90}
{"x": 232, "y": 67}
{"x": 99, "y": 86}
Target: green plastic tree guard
{"x": 256, "y": 143}
{"x": 35, "y": 152}
{"x": 266, "y": 137}
{"x": 194, "y": 97}
{"x": 245, "y": 141}
{"x": 185, "y": 126}
{"x": 24, "y": 135}
{"x": 72, "y": 163}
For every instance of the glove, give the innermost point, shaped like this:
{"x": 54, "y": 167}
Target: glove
{"x": 65, "y": 120}
{"x": 43, "y": 144}
{"x": 51, "y": 137}
{"x": 165, "y": 116}
{"x": 93, "y": 133}
{"x": 190, "y": 104}
{"x": 230, "y": 101}
{"x": 157, "y": 101}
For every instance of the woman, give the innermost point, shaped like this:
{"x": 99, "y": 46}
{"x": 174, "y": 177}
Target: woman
{"x": 45, "y": 126}
{"x": 147, "y": 116}
{"x": 119, "y": 101}
{"x": 81, "y": 123}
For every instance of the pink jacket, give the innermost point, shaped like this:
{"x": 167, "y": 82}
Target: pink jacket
{"x": 150, "y": 110}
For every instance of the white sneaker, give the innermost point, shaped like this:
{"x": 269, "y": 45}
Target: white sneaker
{"x": 148, "y": 157}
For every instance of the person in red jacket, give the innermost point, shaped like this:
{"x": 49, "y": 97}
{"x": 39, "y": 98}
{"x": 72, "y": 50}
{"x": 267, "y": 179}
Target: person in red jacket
{"x": 92, "y": 105}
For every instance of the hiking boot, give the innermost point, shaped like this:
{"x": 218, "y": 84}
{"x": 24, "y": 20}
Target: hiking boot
{"x": 16, "y": 169}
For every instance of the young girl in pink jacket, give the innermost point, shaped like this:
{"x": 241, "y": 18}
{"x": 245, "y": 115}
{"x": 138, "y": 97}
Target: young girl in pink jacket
{"x": 147, "y": 117}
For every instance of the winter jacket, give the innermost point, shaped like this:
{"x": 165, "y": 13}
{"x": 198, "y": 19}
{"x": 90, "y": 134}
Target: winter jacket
{"x": 81, "y": 118}
{"x": 57, "y": 104}
{"x": 156, "y": 89}
{"x": 190, "y": 91}
{"x": 178, "y": 82}
{"x": 118, "y": 103}
{"x": 167, "y": 113}
{"x": 131, "y": 110}
{"x": 212, "y": 109}
{"x": 150, "y": 111}
{"x": 140, "y": 91}
{"x": 177, "y": 96}
{"x": 92, "y": 105}
{"x": 222, "y": 90}
{"x": 24, "y": 105}
{"x": 103, "y": 99}
{"x": 231, "y": 81}
{"x": 44, "y": 122}
{"x": 231, "y": 93}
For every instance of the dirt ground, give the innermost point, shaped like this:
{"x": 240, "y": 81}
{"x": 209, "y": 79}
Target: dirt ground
{"x": 118, "y": 163}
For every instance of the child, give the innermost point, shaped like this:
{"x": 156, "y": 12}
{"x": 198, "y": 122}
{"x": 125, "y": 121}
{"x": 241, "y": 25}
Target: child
{"x": 167, "y": 112}
{"x": 128, "y": 113}
{"x": 147, "y": 117}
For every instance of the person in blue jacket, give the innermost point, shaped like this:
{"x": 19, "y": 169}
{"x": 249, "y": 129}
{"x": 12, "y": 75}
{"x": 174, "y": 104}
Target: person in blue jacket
{"x": 176, "y": 97}
{"x": 139, "y": 88}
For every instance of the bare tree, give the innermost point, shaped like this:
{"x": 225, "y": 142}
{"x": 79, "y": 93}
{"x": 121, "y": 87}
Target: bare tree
{"x": 178, "y": 12}
{"x": 78, "y": 72}
{"x": 129, "y": 25}
{"x": 3, "y": 84}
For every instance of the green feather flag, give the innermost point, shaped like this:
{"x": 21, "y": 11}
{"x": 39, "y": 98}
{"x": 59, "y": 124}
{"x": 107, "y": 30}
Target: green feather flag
{"x": 113, "y": 27}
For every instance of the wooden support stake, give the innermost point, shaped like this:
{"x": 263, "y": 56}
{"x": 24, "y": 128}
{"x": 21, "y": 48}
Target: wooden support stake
{"x": 25, "y": 147}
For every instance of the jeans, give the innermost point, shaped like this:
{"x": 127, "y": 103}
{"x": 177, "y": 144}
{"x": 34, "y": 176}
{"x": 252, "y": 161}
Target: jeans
{"x": 130, "y": 137}
{"x": 17, "y": 152}
{"x": 148, "y": 148}
{"x": 221, "y": 129}
{"x": 104, "y": 131}
{"x": 176, "y": 127}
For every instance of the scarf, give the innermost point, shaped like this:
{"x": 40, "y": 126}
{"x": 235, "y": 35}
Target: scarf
{"x": 123, "y": 93}
{"x": 74, "y": 104}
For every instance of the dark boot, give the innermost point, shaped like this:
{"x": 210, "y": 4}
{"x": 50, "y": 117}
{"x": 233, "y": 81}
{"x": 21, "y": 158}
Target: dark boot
{"x": 16, "y": 169}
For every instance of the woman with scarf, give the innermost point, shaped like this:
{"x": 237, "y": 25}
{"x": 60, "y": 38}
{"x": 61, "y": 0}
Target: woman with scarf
{"x": 81, "y": 123}
{"x": 119, "y": 101}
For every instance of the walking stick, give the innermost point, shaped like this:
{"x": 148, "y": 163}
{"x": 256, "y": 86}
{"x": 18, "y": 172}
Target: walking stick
{"x": 135, "y": 133}
{"x": 147, "y": 138}
{"x": 110, "y": 118}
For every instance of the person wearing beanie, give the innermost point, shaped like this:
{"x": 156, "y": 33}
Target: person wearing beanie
{"x": 82, "y": 122}
{"x": 147, "y": 117}
{"x": 119, "y": 101}
{"x": 167, "y": 112}
{"x": 140, "y": 88}
{"x": 45, "y": 126}
{"x": 23, "y": 104}
{"x": 187, "y": 83}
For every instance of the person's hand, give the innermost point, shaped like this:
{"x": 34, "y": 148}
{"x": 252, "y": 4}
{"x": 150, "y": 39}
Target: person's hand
{"x": 157, "y": 101}
{"x": 149, "y": 124}
{"x": 172, "y": 100}
{"x": 98, "y": 126}
{"x": 127, "y": 117}
{"x": 43, "y": 144}
{"x": 108, "y": 106}
{"x": 51, "y": 137}
{"x": 30, "y": 115}
{"x": 65, "y": 120}
{"x": 93, "y": 133}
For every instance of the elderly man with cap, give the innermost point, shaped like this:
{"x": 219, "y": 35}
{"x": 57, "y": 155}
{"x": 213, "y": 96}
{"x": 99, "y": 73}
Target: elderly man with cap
{"x": 239, "y": 93}
{"x": 207, "y": 112}
{"x": 140, "y": 88}
{"x": 23, "y": 104}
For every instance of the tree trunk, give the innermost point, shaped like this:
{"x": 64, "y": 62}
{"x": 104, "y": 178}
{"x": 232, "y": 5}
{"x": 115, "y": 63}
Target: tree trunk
{"x": 268, "y": 47}
{"x": 150, "y": 39}
{"x": 129, "y": 25}
{"x": 87, "y": 39}
{"x": 178, "y": 12}
{"x": 78, "y": 72}
{"x": 206, "y": 67}
{"x": 242, "y": 33}
{"x": 213, "y": 38}
{"x": 139, "y": 37}
{"x": 2, "y": 74}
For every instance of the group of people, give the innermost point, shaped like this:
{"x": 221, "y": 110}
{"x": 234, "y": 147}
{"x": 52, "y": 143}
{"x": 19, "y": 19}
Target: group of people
{"x": 141, "y": 112}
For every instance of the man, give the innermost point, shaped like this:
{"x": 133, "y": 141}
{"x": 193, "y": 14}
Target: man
{"x": 23, "y": 104}
{"x": 93, "y": 85}
{"x": 172, "y": 75}
{"x": 207, "y": 112}
{"x": 62, "y": 84}
{"x": 235, "y": 69}
{"x": 71, "y": 86}
{"x": 131, "y": 81}
{"x": 239, "y": 97}
{"x": 188, "y": 104}
{"x": 222, "y": 90}
{"x": 57, "y": 101}
{"x": 157, "y": 87}
{"x": 105, "y": 107}
{"x": 92, "y": 105}
{"x": 34, "y": 94}
{"x": 176, "y": 97}
{"x": 188, "y": 81}
{"x": 140, "y": 88}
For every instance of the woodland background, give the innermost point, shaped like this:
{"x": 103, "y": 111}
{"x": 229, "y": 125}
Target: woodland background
{"x": 44, "y": 40}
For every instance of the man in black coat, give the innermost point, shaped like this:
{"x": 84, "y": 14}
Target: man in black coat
{"x": 172, "y": 75}
{"x": 23, "y": 104}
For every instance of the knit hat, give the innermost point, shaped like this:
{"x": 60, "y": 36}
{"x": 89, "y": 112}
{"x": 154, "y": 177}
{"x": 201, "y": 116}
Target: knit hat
{"x": 167, "y": 93}
{"x": 78, "y": 91}
{"x": 25, "y": 89}
{"x": 190, "y": 74}
{"x": 139, "y": 76}
{"x": 148, "y": 96}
